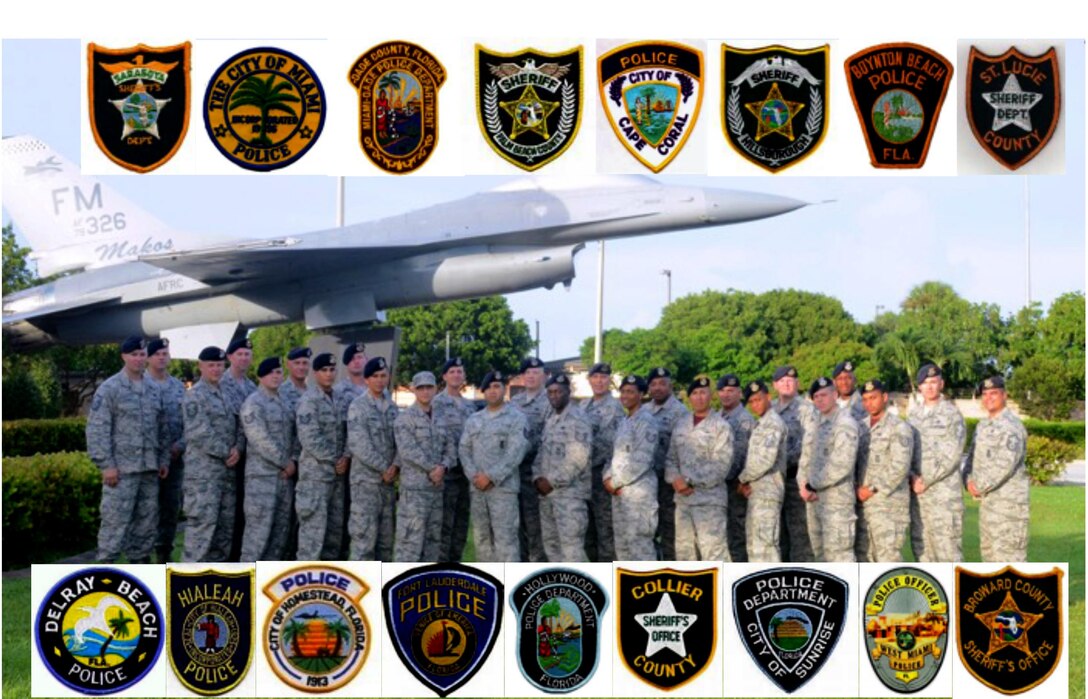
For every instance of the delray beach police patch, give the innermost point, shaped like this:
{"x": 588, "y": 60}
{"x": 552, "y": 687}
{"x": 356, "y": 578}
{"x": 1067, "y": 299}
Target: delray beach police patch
{"x": 906, "y": 628}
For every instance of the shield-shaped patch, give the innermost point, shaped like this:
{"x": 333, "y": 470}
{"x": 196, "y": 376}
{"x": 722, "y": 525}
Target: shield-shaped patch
{"x": 906, "y": 628}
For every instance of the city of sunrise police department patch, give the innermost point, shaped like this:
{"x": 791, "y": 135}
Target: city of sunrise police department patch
{"x": 906, "y": 628}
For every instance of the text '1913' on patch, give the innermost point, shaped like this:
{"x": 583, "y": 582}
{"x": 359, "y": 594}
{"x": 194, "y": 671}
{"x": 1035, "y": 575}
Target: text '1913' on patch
{"x": 906, "y": 628}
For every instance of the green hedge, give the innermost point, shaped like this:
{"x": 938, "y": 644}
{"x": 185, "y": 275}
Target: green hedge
{"x": 29, "y": 437}
{"x": 1068, "y": 432}
{"x": 1047, "y": 458}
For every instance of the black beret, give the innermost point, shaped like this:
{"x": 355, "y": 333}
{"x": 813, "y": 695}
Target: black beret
{"x": 353, "y": 349}
{"x": 698, "y": 382}
{"x": 841, "y": 367}
{"x": 636, "y": 381}
{"x": 874, "y": 385}
{"x": 560, "y": 379}
{"x": 992, "y": 382}
{"x": 491, "y": 377}
{"x": 659, "y": 372}
{"x": 531, "y": 363}
{"x": 267, "y": 366}
{"x": 323, "y": 360}
{"x": 243, "y": 343}
{"x": 156, "y": 345}
{"x": 374, "y": 366}
{"x": 929, "y": 371}
{"x": 132, "y": 343}
{"x": 451, "y": 363}
{"x": 601, "y": 368}
{"x": 300, "y": 353}
{"x": 784, "y": 370}
{"x": 818, "y": 385}
{"x": 753, "y": 388}
{"x": 728, "y": 380}
{"x": 212, "y": 354}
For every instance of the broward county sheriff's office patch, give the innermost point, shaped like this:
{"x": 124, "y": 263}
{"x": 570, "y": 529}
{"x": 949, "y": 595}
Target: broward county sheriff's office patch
{"x": 559, "y": 628}
{"x": 139, "y": 102}
{"x": 99, "y": 630}
{"x": 398, "y": 86}
{"x": 316, "y": 636}
{"x": 774, "y": 103}
{"x": 1013, "y": 103}
{"x": 667, "y": 623}
{"x": 529, "y": 103}
{"x": 264, "y": 108}
{"x": 210, "y": 628}
{"x": 1009, "y": 626}
{"x": 906, "y": 628}
{"x": 443, "y": 620}
{"x": 651, "y": 92}
{"x": 898, "y": 90}
{"x": 790, "y": 620}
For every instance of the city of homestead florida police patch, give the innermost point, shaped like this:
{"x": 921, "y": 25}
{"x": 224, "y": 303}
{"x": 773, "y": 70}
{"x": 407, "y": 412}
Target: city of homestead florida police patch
{"x": 99, "y": 630}
{"x": 906, "y": 628}
{"x": 1009, "y": 626}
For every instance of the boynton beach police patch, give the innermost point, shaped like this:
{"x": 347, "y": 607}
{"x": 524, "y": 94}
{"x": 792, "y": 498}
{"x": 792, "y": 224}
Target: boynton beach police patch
{"x": 906, "y": 628}
{"x": 99, "y": 630}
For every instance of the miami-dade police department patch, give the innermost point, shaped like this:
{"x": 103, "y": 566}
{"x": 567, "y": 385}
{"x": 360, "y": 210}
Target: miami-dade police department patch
{"x": 906, "y": 628}
{"x": 99, "y": 630}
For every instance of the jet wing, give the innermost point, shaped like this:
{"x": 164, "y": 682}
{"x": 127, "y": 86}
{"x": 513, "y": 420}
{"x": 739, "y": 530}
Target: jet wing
{"x": 50, "y": 309}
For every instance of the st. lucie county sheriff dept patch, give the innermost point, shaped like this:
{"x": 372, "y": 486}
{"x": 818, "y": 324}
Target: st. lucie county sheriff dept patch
{"x": 398, "y": 86}
{"x": 138, "y": 99}
{"x": 264, "y": 108}
{"x": 559, "y": 628}
{"x": 906, "y": 628}
{"x": 99, "y": 630}
{"x": 316, "y": 635}
{"x": 651, "y": 92}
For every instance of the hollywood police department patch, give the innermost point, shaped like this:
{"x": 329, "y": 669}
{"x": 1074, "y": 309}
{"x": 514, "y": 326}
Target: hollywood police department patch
{"x": 906, "y": 628}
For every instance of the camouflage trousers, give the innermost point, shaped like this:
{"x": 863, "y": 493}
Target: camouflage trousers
{"x": 209, "y": 508}
{"x": 319, "y": 505}
{"x": 130, "y": 517}
{"x": 419, "y": 526}
{"x": 371, "y": 523}
{"x": 1003, "y": 529}
{"x": 599, "y": 535}
{"x": 666, "y": 520}
{"x": 701, "y": 532}
{"x": 530, "y": 537}
{"x": 634, "y": 520}
{"x": 833, "y": 527}
{"x": 764, "y": 517}
{"x": 455, "y": 509}
{"x": 495, "y": 525}
{"x": 936, "y": 524}
{"x": 735, "y": 531}
{"x": 270, "y": 511}
{"x": 563, "y": 524}
{"x": 881, "y": 533}
{"x": 796, "y": 544}
{"x": 169, "y": 505}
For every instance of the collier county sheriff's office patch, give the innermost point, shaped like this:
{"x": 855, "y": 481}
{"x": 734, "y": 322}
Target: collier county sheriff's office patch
{"x": 906, "y": 628}
{"x": 790, "y": 620}
{"x": 210, "y": 628}
{"x": 139, "y": 102}
{"x": 559, "y": 628}
{"x": 651, "y": 92}
{"x": 1013, "y": 103}
{"x": 99, "y": 630}
{"x": 443, "y": 620}
{"x": 1009, "y": 626}
{"x": 398, "y": 86}
{"x": 316, "y": 636}
{"x": 264, "y": 108}
{"x": 898, "y": 90}
{"x": 774, "y": 103}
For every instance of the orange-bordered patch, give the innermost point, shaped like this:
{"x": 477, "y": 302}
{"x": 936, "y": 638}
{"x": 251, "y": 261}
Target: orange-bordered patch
{"x": 906, "y": 628}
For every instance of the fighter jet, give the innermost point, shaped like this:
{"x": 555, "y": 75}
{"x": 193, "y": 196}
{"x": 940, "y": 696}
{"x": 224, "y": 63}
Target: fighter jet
{"x": 126, "y": 271}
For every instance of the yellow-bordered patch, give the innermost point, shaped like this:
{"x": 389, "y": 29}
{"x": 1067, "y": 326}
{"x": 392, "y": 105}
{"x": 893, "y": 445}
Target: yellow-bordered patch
{"x": 906, "y": 628}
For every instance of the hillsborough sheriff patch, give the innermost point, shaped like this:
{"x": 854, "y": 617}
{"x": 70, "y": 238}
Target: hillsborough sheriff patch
{"x": 906, "y": 628}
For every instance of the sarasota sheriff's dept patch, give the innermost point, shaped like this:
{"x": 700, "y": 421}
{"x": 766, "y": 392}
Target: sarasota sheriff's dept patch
{"x": 443, "y": 620}
{"x": 651, "y": 92}
{"x": 316, "y": 635}
{"x": 139, "y": 102}
{"x": 559, "y": 628}
{"x": 774, "y": 103}
{"x": 790, "y": 620}
{"x": 264, "y": 108}
{"x": 1013, "y": 103}
{"x": 99, "y": 630}
{"x": 898, "y": 90}
{"x": 210, "y": 628}
{"x": 1009, "y": 626}
{"x": 906, "y": 628}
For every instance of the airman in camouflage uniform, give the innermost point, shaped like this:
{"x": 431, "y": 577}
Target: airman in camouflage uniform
{"x": 742, "y": 423}
{"x": 374, "y": 467}
{"x": 763, "y": 479}
{"x": 797, "y": 414}
{"x": 451, "y": 410}
{"x": 667, "y": 410}
{"x": 849, "y": 398}
{"x": 236, "y": 387}
{"x": 344, "y": 393}
{"x": 885, "y": 447}
{"x": 533, "y": 402}
{"x": 604, "y": 412}
{"x": 630, "y": 477}
{"x": 291, "y": 390}
{"x": 173, "y": 391}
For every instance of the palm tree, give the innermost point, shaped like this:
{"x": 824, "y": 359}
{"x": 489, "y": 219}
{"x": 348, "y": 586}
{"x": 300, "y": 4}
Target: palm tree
{"x": 343, "y": 633}
{"x": 291, "y": 632}
{"x": 265, "y": 96}
{"x": 389, "y": 82}
{"x": 119, "y": 629}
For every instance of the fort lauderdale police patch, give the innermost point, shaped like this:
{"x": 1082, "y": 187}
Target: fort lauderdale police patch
{"x": 906, "y": 628}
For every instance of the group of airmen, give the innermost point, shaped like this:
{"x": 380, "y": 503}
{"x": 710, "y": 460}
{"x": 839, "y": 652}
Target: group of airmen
{"x": 300, "y": 466}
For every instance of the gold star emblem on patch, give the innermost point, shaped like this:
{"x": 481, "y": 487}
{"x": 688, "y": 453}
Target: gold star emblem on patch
{"x": 530, "y": 113}
{"x": 774, "y": 114}
{"x": 1008, "y": 626}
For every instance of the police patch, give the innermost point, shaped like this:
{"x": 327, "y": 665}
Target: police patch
{"x": 906, "y": 628}
{"x": 210, "y": 628}
{"x": 264, "y": 108}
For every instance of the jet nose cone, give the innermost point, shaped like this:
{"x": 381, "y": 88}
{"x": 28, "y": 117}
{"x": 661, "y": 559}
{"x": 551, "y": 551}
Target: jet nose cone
{"x": 728, "y": 206}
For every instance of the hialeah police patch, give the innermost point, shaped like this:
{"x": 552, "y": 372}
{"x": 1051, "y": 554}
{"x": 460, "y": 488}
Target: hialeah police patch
{"x": 99, "y": 630}
{"x": 264, "y": 108}
{"x": 398, "y": 86}
{"x": 443, "y": 620}
{"x": 139, "y": 102}
{"x": 559, "y": 628}
{"x": 1013, "y": 103}
{"x": 898, "y": 90}
{"x": 906, "y": 628}
{"x": 316, "y": 635}
{"x": 790, "y": 620}
{"x": 1009, "y": 626}
{"x": 651, "y": 92}
{"x": 774, "y": 103}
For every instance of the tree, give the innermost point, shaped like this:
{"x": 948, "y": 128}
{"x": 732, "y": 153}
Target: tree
{"x": 267, "y": 96}
{"x": 1044, "y": 387}
{"x": 278, "y": 340}
{"x": 17, "y": 274}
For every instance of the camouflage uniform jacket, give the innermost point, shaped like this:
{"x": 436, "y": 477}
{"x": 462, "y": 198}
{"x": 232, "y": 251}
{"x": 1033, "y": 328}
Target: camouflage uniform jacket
{"x": 829, "y": 457}
{"x": 451, "y": 413}
{"x": 236, "y": 390}
{"x": 537, "y": 410}
{"x": 884, "y": 454}
{"x": 938, "y": 443}
{"x": 703, "y": 455}
{"x": 371, "y": 442}
{"x": 291, "y": 394}
{"x": 321, "y": 434}
{"x": 666, "y": 415}
{"x": 565, "y": 449}
{"x": 495, "y": 444}
{"x": 765, "y": 464}
{"x": 270, "y": 433}
{"x": 126, "y": 428}
{"x": 797, "y": 414}
{"x": 422, "y": 444}
{"x": 742, "y": 423}
{"x": 996, "y": 460}
{"x": 853, "y": 406}
{"x": 173, "y": 392}
{"x": 211, "y": 427}
{"x": 633, "y": 452}
{"x": 604, "y": 415}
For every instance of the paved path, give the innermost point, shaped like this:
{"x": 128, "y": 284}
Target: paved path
{"x": 1074, "y": 474}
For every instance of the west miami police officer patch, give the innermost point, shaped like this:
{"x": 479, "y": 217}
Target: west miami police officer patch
{"x": 906, "y": 628}
{"x": 99, "y": 630}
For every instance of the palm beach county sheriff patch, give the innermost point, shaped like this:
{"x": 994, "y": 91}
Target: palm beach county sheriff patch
{"x": 790, "y": 620}
{"x": 774, "y": 103}
{"x": 559, "y": 628}
{"x": 906, "y": 628}
{"x": 264, "y": 108}
{"x": 651, "y": 92}
{"x": 1009, "y": 626}
{"x": 443, "y": 620}
{"x": 1013, "y": 103}
{"x": 667, "y": 623}
{"x": 99, "y": 630}
{"x": 898, "y": 91}
{"x": 210, "y": 628}
{"x": 139, "y": 102}
{"x": 398, "y": 86}
{"x": 316, "y": 636}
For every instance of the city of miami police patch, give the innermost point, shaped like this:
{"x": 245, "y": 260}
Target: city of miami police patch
{"x": 138, "y": 99}
{"x": 316, "y": 636}
{"x": 651, "y": 92}
{"x": 264, "y": 108}
{"x": 906, "y": 628}
{"x": 898, "y": 90}
{"x": 1009, "y": 626}
{"x": 774, "y": 103}
{"x": 790, "y": 620}
{"x": 99, "y": 630}
{"x": 559, "y": 628}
